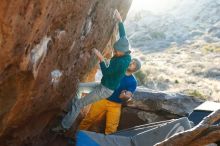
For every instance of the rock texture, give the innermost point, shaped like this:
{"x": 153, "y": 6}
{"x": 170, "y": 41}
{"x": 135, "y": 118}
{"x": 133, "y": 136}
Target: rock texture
{"x": 175, "y": 103}
{"x": 152, "y": 106}
{"x": 45, "y": 50}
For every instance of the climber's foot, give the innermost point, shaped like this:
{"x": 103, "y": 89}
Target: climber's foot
{"x": 71, "y": 142}
{"x": 59, "y": 129}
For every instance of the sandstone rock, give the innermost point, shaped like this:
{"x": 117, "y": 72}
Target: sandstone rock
{"x": 131, "y": 117}
{"x": 152, "y": 106}
{"x": 175, "y": 103}
{"x": 45, "y": 50}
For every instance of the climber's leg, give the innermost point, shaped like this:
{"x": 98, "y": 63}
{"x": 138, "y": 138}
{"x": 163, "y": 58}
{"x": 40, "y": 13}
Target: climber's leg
{"x": 97, "y": 109}
{"x": 67, "y": 122}
{"x": 112, "y": 117}
{"x": 86, "y": 88}
{"x": 97, "y": 94}
{"x": 82, "y": 88}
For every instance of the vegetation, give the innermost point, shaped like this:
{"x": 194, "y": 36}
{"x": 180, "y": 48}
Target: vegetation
{"x": 158, "y": 35}
{"x": 176, "y": 82}
{"x": 196, "y": 93}
{"x": 211, "y": 48}
{"x": 140, "y": 76}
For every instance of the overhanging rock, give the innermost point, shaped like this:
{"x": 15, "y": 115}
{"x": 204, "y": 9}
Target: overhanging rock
{"x": 45, "y": 50}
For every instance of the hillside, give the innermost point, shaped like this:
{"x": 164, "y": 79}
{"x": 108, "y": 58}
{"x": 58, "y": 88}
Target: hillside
{"x": 180, "y": 48}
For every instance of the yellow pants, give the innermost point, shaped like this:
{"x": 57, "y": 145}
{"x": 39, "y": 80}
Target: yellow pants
{"x": 104, "y": 107}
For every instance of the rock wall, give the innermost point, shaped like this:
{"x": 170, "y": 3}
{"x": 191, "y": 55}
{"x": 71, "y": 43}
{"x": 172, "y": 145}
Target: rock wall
{"x": 45, "y": 51}
{"x": 151, "y": 106}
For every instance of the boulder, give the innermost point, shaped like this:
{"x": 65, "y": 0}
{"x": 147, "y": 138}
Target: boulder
{"x": 175, "y": 103}
{"x": 152, "y": 106}
{"x": 45, "y": 51}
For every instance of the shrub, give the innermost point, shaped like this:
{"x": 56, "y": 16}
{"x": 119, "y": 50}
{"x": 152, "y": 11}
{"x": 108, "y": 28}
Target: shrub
{"x": 211, "y": 48}
{"x": 176, "y": 82}
{"x": 196, "y": 93}
{"x": 140, "y": 76}
{"x": 158, "y": 35}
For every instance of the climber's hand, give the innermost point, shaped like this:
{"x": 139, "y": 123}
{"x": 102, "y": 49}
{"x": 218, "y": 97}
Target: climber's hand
{"x": 118, "y": 16}
{"x": 126, "y": 95}
{"x": 98, "y": 54}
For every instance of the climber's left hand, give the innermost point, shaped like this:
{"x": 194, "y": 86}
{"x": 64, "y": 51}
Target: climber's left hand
{"x": 118, "y": 15}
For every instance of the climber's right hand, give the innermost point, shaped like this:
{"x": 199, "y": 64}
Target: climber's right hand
{"x": 126, "y": 95}
{"x": 98, "y": 54}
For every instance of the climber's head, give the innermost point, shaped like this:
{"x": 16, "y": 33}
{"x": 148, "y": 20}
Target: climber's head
{"x": 121, "y": 47}
{"x": 118, "y": 53}
{"x": 134, "y": 66}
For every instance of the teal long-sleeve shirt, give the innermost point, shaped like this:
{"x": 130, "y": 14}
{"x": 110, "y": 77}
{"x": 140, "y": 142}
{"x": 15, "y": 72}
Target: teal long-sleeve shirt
{"x": 113, "y": 74}
{"x": 121, "y": 30}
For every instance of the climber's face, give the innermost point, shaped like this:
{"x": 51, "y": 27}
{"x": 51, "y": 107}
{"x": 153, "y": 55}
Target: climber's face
{"x": 132, "y": 66}
{"x": 118, "y": 53}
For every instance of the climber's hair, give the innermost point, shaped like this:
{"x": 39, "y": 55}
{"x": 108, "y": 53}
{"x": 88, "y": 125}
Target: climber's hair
{"x": 138, "y": 64}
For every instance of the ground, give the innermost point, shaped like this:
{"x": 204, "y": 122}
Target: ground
{"x": 189, "y": 69}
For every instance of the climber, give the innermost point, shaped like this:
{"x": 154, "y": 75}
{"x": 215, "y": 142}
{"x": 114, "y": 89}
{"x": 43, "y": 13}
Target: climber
{"x": 111, "y": 107}
{"x": 109, "y": 82}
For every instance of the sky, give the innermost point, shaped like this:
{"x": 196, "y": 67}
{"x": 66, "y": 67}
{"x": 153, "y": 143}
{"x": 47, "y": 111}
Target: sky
{"x": 155, "y": 6}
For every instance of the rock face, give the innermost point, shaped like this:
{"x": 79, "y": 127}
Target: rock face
{"x": 175, "y": 103}
{"x": 45, "y": 51}
{"x": 152, "y": 106}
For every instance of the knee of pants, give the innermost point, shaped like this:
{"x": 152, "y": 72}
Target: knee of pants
{"x": 111, "y": 129}
{"x": 112, "y": 124}
{"x": 84, "y": 123}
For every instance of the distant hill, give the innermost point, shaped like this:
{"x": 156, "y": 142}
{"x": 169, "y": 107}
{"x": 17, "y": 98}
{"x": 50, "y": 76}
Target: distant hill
{"x": 190, "y": 20}
{"x": 180, "y": 48}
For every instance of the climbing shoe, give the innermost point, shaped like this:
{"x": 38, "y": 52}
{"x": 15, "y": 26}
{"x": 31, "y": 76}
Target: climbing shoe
{"x": 59, "y": 129}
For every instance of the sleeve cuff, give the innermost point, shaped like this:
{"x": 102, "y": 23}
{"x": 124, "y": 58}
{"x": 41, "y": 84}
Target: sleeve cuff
{"x": 121, "y": 25}
{"x": 102, "y": 64}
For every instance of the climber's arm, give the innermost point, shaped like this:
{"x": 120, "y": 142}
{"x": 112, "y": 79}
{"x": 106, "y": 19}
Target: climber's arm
{"x": 126, "y": 95}
{"x": 121, "y": 30}
{"x": 120, "y": 24}
{"x": 99, "y": 55}
{"x": 111, "y": 69}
